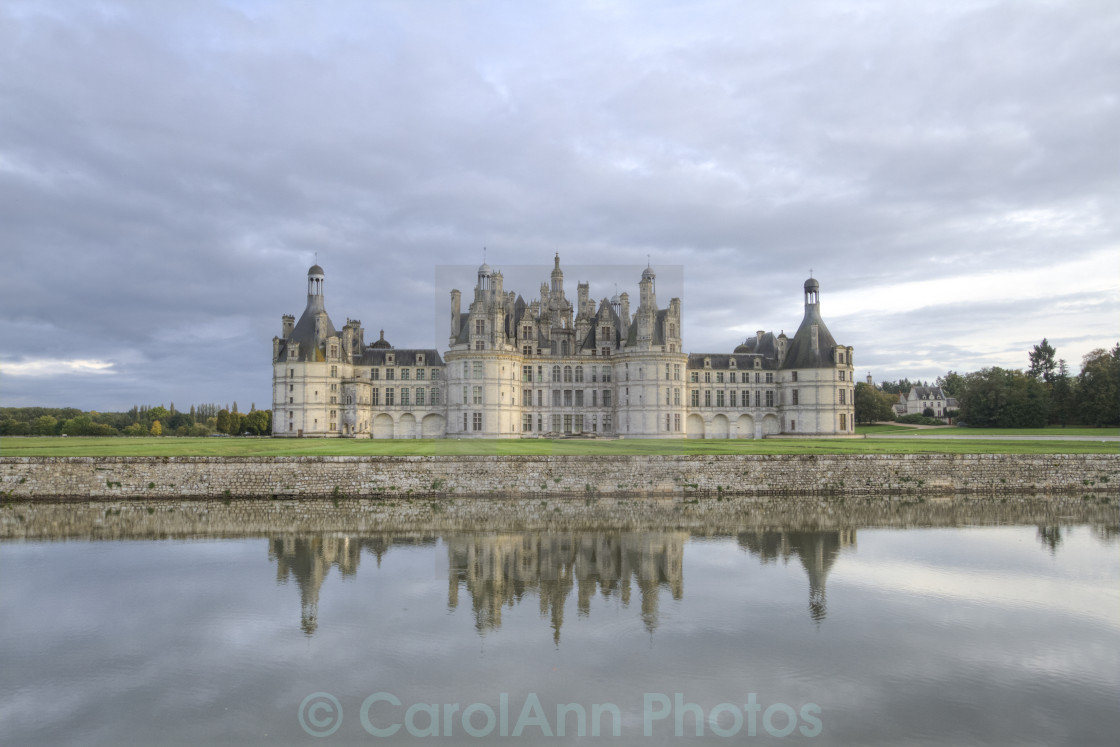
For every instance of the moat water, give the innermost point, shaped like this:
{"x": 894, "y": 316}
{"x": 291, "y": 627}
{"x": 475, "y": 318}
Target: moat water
{"x": 968, "y": 635}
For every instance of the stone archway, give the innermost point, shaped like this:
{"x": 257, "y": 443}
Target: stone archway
{"x": 771, "y": 425}
{"x": 433, "y": 426}
{"x": 721, "y": 428}
{"x": 694, "y": 426}
{"x": 383, "y": 426}
{"x": 744, "y": 426}
{"x": 406, "y": 427}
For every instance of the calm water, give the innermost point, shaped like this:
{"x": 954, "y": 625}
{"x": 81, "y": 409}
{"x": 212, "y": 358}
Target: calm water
{"x": 987, "y": 635}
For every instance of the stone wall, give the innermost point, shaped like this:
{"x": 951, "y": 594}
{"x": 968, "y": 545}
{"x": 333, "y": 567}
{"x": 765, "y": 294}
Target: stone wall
{"x": 112, "y": 478}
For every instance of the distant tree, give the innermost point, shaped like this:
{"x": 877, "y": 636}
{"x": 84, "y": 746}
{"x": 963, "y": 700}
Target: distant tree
{"x": 234, "y": 424}
{"x": 1042, "y": 366}
{"x": 873, "y": 405}
{"x": 951, "y": 383}
{"x": 1001, "y": 398}
{"x": 1099, "y": 387}
{"x": 45, "y": 425}
{"x": 136, "y": 429}
{"x": 157, "y": 429}
{"x": 1063, "y": 397}
{"x": 928, "y": 412}
{"x": 159, "y": 412}
{"x": 234, "y": 407}
{"x": 222, "y": 425}
{"x": 256, "y": 423}
{"x": 198, "y": 429}
{"x": 902, "y": 386}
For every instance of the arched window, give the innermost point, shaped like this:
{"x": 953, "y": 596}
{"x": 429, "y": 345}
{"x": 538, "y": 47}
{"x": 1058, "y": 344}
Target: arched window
{"x": 579, "y": 374}
{"x": 567, "y": 374}
{"x": 563, "y": 347}
{"x": 556, "y": 373}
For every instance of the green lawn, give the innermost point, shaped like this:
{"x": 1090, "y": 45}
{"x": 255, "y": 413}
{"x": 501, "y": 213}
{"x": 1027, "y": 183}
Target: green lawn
{"x": 301, "y": 447}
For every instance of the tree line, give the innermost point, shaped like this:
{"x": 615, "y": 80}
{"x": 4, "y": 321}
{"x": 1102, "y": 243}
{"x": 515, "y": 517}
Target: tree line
{"x": 1044, "y": 394}
{"x": 142, "y": 420}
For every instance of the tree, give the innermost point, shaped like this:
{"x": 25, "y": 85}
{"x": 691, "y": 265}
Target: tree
{"x": 1099, "y": 387}
{"x": 159, "y": 412}
{"x": 1063, "y": 398}
{"x": 1042, "y": 363}
{"x": 951, "y": 383}
{"x": 872, "y": 405}
{"x": 1001, "y": 398}
{"x": 222, "y": 425}
{"x": 157, "y": 429}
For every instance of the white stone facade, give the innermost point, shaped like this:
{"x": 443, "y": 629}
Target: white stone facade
{"x": 554, "y": 368}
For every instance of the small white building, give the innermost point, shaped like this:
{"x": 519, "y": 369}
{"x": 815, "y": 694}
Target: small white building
{"x": 922, "y": 398}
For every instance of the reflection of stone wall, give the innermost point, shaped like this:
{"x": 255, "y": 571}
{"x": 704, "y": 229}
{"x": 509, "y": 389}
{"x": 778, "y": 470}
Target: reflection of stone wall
{"x": 497, "y": 570}
{"x": 793, "y": 475}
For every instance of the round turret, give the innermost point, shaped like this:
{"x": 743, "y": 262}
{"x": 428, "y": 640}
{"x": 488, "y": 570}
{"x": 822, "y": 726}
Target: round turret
{"x": 484, "y": 269}
{"x": 315, "y": 270}
{"x": 812, "y": 285}
{"x": 742, "y": 349}
{"x": 381, "y": 344}
{"x": 647, "y": 274}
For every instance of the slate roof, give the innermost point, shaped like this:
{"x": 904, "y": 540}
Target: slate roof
{"x": 800, "y": 353}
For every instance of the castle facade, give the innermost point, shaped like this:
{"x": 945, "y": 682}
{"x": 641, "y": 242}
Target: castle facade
{"x": 555, "y": 368}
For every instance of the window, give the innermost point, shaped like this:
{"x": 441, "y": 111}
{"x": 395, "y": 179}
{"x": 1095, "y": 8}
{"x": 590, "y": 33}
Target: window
{"x": 419, "y": 396}
{"x": 540, "y": 423}
{"x": 389, "y": 397}
{"x": 607, "y": 423}
{"x": 540, "y": 399}
{"x": 555, "y": 397}
{"x": 666, "y": 372}
{"x": 769, "y": 377}
{"x": 526, "y": 373}
{"x": 404, "y": 397}
{"x": 567, "y": 374}
{"x": 479, "y": 345}
{"x": 476, "y": 395}
{"x": 794, "y": 376}
{"x": 375, "y": 397}
{"x": 334, "y": 400}
{"x": 291, "y": 373}
{"x": 731, "y": 378}
{"x": 555, "y": 423}
{"x": 577, "y": 423}
{"x": 375, "y": 374}
{"x": 435, "y": 397}
{"x": 694, "y": 377}
{"x": 793, "y": 425}
{"x": 465, "y": 395}
{"x": 841, "y": 357}
{"x": 606, "y": 398}
{"x": 390, "y": 374}
{"x": 707, "y": 377}
{"x": 419, "y": 374}
{"x": 668, "y": 422}
{"x": 526, "y": 397}
{"x": 480, "y": 326}
{"x": 464, "y": 421}
{"x": 707, "y": 398}
{"x": 579, "y": 374}
{"x": 405, "y": 374}
{"x": 676, "y": 396}
{"x": 794, "y": 394}
{"x": 668, "y": 396}
{"x": 719, "y": 398}
{"x": 334, "y": 369}
{"x": 476, "y": 421}
{"x": 476, "y": 371}
{"x": 605, "y": 332}
{"x": 732, "y": 403}
{"x": 567, "y": 423}
{"x": 841, "y": 376}
{"x": 719, "y": 377}
{"x": 606, "y": 373}
{"x": 556, "y": 373}
{"x": 389, "y": 359}
{"x": 843, "y": 422}
{"x": 579, "y": 398}
{"x": 758, "y": 398}
{"x": 676, "y": 372}
{"x": 567, "y": 398}
{"x": 605, "y": 352}
{"x": 526, "y": 350}
{"x": 672, "y": 330}
{"x": 526, "y": 331}
{"x": 526, "y": 423}
{"x": 695, "y": 397}
{"x": 842, "y": 393}
{"x": 291, "y": 387}
{"x": 769, "y": 397}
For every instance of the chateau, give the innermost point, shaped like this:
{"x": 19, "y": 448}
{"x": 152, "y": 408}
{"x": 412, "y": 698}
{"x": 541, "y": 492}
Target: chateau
{"x": 552, "y": 367}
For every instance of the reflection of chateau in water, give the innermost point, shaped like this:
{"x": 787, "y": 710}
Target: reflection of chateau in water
{"x": 497, "y": 570}
{"x": 817, "y": 552}
{"x": 308, "y": 559}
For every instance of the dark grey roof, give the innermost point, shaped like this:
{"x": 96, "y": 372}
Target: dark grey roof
{"x": 928, "y": 392}
{"x": 722, "y": 361}
{"x": 304, "y": 334}
{"x": 767, "y": 347}
{"x": 403, "y": 357}
{"x": 800, "y": 353}
{"x": 381, "y": 344}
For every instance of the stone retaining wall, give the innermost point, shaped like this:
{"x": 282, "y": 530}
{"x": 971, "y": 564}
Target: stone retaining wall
{"x": 112, "y": 478}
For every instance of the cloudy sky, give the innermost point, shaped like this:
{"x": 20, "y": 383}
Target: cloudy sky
{"x": 168, "y": 171}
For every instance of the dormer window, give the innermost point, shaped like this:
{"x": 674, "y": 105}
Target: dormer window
{"x": 707, "y": 363}
{"x": 389, "y": 359}
{"x": 757, "y": 363}
{"x": 732, "y": 363}
{"x": 420, "y": 359}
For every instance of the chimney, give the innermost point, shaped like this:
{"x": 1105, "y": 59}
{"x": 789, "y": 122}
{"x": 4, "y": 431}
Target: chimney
{"x": 288, "y": 323}
{"x": 455, "y": 299}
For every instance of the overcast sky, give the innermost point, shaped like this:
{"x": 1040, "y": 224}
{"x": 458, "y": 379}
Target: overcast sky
{"x": 950, "y": 171}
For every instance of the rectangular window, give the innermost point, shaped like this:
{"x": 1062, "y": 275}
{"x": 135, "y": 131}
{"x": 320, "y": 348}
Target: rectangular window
{"x": 607, "y": 423}
{"x": 390, "y": 374}
{"x": 793, "y": 425}
{"x": 476, "y": 421}
{"x": 404, "y": 397}
{"x": 769, "y": 377}
{"x": 758, "y": 398}
{"x": 719, "y": 398}
{"x": 668, "y": 422}
{"x": 555, "y": 423}
{"x": 732, "y": 378}
{"x": 666, "y": 375}
{"x": 476, "y": 395}
{"x": 291, "y": 373}
{"x": 526, "y": 423}
{"x": 577, "y": 423}
{"x": 466, "y": 396}
{"x": 480, "y": 326}
{"x": 435, "y": 374}
{"x": 540, "y": 398}
{"x": 405, "y": 374}
{"x": 540, "y": 423}
{"x": 757, "y": 378}
{"x": 594, "y": 397}
{"x": 464, "y": 421}
{"x": 769, "y": 397}
{"x": 375, "y": 374}
{"x": 567, "y": 423}
{"x": 334, "y": 400}
{"x": 795, "y": 397}
{"x": 375, "y": 397}
{"x": 676, "y": 372}
{"x": 579, "y": 398}
{"x": 732, "y": 403}
{"x": 843, "y": 422}
{"x": 606, "y": 398}
{"x": 677, "y": 422}
{"x": 668, "y": 396}
{"x": 526, "y": 350}
{"x": 476, "y": 369}
{"x": 567, "y": 398}
{"x": 389, "y": 397}
{"x": 694, "y": 377}
{"x": 794, "y": 375}
{"x": 334, "y": 369}
{"x": 707, "y": 377}
{"x": 527, "y": 373}
{"x": 695, "y": 397}
{"x": 419, "y": 396}
{"x": 842, "y": 393}
{"x": 526, "y": 397}
{"x": 435, "y": 397}
{"x": 719, "y": 377}
{"x": 841, "y": 376}
{"x": 419, "y": 374}
{"x": 707, "y": 398}
{"x": 676, "y": 396}
{"x": 466, "y": 371}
